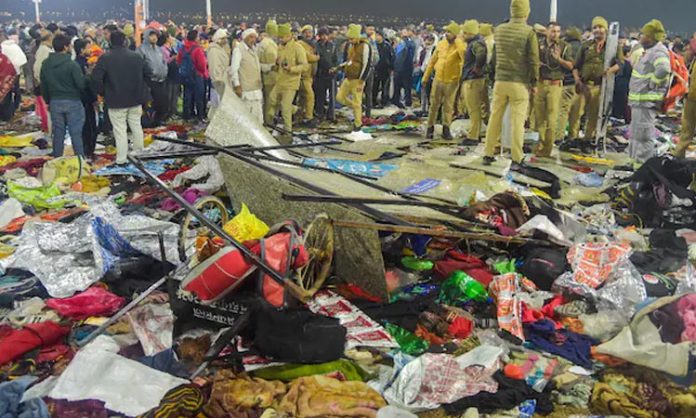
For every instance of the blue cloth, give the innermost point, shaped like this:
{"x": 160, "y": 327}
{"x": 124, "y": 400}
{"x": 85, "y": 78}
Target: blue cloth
{"x": 422, "y": 186}
{"x": 112, "y": 245}
{"x": 166, "y": 362}
{"x": 404, "y": 56}
{"x": 194, "y": 99}
{"x": 67, "y": 115}
{"x": 154, "y": 167}
{"x": 352, "y": 167}
{"x": 567, "y": 344}
{"x": 589, "y": 179}
{"x": 11, "y": 396}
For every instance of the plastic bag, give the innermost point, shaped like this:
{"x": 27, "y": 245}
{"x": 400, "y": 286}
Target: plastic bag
{"x": 8, "y": 141}
{"x": 64, "y": 170}
{"x": 39, "y": 197}
{"x": 246, "y": 226}
{"x": 409, "y": 342}
{"x": 153, "y": 324}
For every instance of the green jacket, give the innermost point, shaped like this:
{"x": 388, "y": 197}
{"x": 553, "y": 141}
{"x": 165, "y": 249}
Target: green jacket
{"x": 590, "y": 61}
{"x": 516, "y": 53}
{"x": 551, "y": 69}
{"x": 61, "y": 78}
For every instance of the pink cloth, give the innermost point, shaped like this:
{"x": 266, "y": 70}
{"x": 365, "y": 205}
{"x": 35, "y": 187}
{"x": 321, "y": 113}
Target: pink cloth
{"x": 198, "y": 56}
{"x": 42, "y": 111}
{"x": 95, "y": 301}
{"x": 687, "y": 310}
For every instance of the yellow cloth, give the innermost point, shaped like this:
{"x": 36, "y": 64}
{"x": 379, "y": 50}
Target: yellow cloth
{"x": 688, "y": 128}
{"x": 600, "y": 21}
{"x": 272, "y": 28}
{"x": 293, "y": 62}
{"x": 351, "y": 94}
{"x": 486, "y": 29}
{"x": 471, "y": 27}
{"x": 589, "y": 108}
{"x": 307, "y": 97}
{"x": 519, "y": 8}
{"x": 281, "y": 98}
{"x": 7, "y": 159}
{"x": 453, "y": 28}
{"x": 566, "y": 103}
{"x": 442, "y": 95}
{"x": 128, "y": 30}
{"x": 284, "y": 30}
{"x": 321, "y": 396}
{"x": 517, "y": 96}
{"x": 9, "y": 141}
{"x": 93, "y": 184}
{"x": 353, "y": 31}
{"x": 547, "y": 103}
{"x": 447, "y": 61}
{"x": 654, "y": 30}
{"x": 474, "y": 93}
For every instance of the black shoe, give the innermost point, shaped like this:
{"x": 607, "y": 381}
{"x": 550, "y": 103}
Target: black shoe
{"x": 446, "y": 134}
{"x": 516, "y": 166}
{"x": 488, "y": 160}
{"x": 357, "y": 128}
{"x": 587, "y": 147}
{"x": 312, "y": 123}
{"x": 430, "y": 134}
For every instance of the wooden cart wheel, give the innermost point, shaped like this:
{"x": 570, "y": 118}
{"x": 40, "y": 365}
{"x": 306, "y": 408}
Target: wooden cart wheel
{"x": 214, "y": 210}
{"x": 319, "y": 243}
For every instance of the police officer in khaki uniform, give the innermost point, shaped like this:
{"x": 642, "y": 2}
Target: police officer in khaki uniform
{"x": 516, "y": 60}
{"x": 688, "y": 117}
{"x": 291, "y": 62}
{"x": 474, "y": 90}
{"x": 267, "y": 51}
{"x": 547, "y": 101}
{"x": 573, "y": 43}
{"x": 588, "y": 73}
{"x": 356, "y": 69}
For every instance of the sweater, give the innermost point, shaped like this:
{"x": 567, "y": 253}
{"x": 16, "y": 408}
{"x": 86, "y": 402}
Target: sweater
{"x": 41, "y": 55}
{"x": 120, "y": 76}
{"x": 61, "y": 78}
{"x": 448, "y": 61}
{"x": 516, "y": 53}
{"x": 200, "y": 62}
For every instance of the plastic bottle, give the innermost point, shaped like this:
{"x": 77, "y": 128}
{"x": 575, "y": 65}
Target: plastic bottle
{"x": 471, "y": 287}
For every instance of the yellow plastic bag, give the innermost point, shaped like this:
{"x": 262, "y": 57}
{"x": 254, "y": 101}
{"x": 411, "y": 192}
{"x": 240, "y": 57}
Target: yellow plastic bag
{"x": 8, "y": 141}
{"x": 246, "y": 226}
{"x": 64, "y": 170}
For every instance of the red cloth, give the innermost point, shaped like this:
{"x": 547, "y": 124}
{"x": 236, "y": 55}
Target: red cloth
{"x": 169, "y": 175}
{"x": 456, "y": 260}
{"x": 42, "y": 110}
{"x": 200, "y": 62}
{"x": 95, "y": 301}
{"x": 530, "y": 315}
{"x": 16, "y": 343}
{"x": 460, "y": 327}
{"x": 53, "y": 353}
{"x": 8, "y": 76}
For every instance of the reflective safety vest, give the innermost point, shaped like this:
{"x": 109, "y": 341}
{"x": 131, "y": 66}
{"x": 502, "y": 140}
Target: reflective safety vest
{"x": 650, "y": 77}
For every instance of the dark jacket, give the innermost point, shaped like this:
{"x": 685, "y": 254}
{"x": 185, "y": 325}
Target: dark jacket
{"x": 61, "y": 78}
{"x": 327, "y": 58}
{"x": 386, "y": 58}
{"x": 120, "y": 77}
{"x": 404, "y": 55}
{"x": 475, "y": 59}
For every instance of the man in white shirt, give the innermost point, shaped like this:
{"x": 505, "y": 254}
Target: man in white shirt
{"x": 246, "y": 74}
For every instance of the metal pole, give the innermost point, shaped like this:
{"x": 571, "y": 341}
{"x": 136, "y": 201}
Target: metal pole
{"x": 209, "y": 13}
{"x": 146, "y": 9}
{"x": 554, "y": 11}
{"x": 36, "y": 10}
{"x": 139, "y": 23}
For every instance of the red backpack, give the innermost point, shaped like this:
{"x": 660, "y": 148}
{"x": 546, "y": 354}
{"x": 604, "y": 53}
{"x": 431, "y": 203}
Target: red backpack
{"x": 679, "y": 84}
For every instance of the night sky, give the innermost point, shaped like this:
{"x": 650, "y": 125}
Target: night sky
{"x": 679, "y": 15}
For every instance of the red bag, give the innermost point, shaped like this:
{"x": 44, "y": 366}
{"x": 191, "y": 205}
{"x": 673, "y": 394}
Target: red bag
{"x": 95, "y": 301}
{"x": 218, "y": 275}
{"x": 679, "y": 86}
{"x": 284, "y": 252}
{"x": 455, "y": 260}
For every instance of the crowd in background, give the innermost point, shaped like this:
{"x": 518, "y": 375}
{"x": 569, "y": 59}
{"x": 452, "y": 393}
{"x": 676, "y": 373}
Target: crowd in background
{"x": 92, "y": 78}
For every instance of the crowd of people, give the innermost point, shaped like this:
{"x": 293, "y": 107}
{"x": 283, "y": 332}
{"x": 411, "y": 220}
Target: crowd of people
{"x": 109, "y": 78}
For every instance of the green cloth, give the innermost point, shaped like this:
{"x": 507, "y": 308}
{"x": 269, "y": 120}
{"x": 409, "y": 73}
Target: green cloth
{"x": 288, "y": 372}
{"x": 551, "y": 69}
{"x": 516, "y": 53}
{"x": 272, "y": 28}
{"x": 409, "y": 342}
{"x": 284, "y": 30}
{"x": 61, "y": 78}
{"x": 654, "y": 30}
{"x": 38, "y": 197}
{"x": 519, "y": 8}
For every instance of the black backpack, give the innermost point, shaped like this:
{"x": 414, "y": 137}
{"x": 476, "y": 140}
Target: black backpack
{"x": 543, "y": 265}
{"x": 298, "y": 336}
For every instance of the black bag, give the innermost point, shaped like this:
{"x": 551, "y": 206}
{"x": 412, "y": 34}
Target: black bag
{"x": 543, "y": 265}
{"x": 298, "y": 336}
